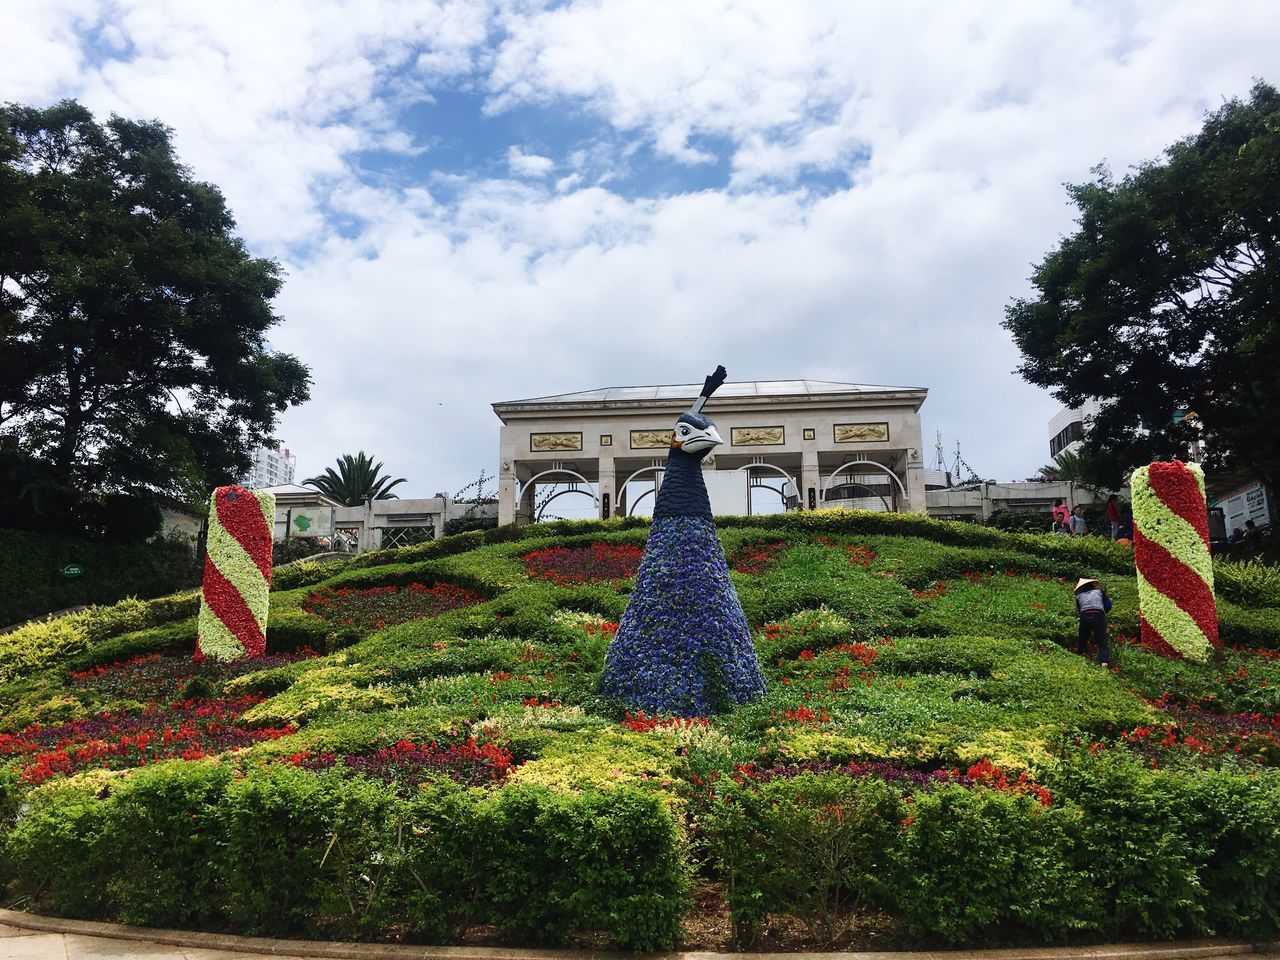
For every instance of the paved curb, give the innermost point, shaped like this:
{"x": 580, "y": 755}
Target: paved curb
{"x": 331, "y": 950}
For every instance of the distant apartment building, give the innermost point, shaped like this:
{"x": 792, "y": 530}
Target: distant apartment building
{"x": 272, "y": 466}
{"x": 1067, "y": 427}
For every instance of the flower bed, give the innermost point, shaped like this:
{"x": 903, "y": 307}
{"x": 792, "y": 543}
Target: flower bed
{"x": 376, "y": 607}
{"x": 189, "y": 730}
{"x": 756, "y": 558}
{"x": 409, "y": 765}
{"x": 157, "y": 678}
{"x": 1198, "y": 737}
{"x": 598, "y": 563}
{"x": 981, "y": 775}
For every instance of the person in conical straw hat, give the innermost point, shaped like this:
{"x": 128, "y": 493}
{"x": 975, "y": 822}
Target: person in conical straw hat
{"x": 1092, "y": 606}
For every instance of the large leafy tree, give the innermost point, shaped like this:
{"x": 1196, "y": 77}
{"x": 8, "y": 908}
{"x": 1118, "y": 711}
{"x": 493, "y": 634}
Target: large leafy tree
{"x": 356, "y": 480}
{"x": 133, "y": 351}
{"x": 1164, "y": 303}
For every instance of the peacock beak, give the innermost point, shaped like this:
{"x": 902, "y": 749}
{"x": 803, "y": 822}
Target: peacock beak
{"x": 714, "y": 436}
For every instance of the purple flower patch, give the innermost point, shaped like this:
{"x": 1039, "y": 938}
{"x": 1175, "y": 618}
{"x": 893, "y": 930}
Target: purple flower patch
{"x": 683, "y": 646}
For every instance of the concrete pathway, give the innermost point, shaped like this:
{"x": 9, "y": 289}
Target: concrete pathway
{"x": 18, "y": 944}
{"x": 48, "y": 938}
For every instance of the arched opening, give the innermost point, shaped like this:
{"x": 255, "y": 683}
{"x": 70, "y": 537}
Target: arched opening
{"x": 862, "y": 478}
{"x": 755, "y": 483}
{"x": 626, "y": 505}
{"x": 526, "y": 499}
{"x": 862, "y": 496}
{"x": 541, "y": 506}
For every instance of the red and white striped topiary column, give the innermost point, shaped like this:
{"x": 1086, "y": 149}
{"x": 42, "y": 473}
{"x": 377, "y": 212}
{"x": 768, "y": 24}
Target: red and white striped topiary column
{"x": 237, "y": 575}
{"x": 1171, "y": 549}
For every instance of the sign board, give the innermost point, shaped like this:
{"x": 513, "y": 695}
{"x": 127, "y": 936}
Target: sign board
{"x": 72, "y": 570}
{"x": 1247, "y": 503}
{"x": 311, "y": 521}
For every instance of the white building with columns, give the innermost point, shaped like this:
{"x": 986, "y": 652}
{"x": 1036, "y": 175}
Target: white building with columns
{"x": 820, "y": 443}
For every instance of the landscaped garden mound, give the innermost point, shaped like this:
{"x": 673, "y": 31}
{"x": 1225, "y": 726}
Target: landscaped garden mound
{"x": 424, "y": 754}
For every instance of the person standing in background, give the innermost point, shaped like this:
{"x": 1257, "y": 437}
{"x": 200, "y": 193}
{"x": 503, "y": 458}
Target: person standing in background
{"x": 1061, "y": 517}
{"x": 1126, "y": 522}
{"x": 1078, "y": 527}
{"x": 1113, "y": 516}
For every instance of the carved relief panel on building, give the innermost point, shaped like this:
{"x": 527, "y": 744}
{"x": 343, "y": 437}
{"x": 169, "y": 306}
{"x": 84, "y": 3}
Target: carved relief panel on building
{"x": 650, "y": 439}
{"x": 756, "y": 436}
{"x": 861, "y": 432}
{"x": 554, "y": 442}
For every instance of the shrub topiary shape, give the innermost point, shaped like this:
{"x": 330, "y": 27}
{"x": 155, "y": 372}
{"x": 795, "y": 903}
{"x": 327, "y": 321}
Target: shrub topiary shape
{"x": 1171, "y": 549}
{"x": 237, "y": 575}
{"x": 683, "y": 646}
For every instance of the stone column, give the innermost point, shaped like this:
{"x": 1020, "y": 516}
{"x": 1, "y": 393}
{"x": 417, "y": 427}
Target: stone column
{"x": 608, "y": 486}
{"x": 915, "y": 482}
{"x": 507, "y": 493}
{"x": 810, "y": 475}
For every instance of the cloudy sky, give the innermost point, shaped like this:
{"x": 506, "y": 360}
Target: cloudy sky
{"x": 482, "y": 201}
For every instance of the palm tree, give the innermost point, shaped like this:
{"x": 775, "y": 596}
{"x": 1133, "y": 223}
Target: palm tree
{"x": 1073, "y": 465}
{"x": 1067, "y": 465}
{"x": 356, "y": 480}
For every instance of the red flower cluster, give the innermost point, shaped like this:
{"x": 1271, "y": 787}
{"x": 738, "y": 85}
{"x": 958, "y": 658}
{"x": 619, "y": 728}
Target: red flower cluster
{"x": 983, "y": 774}
{"x": 805, "y": 715}
{"x": 756, "y": 558}
{"x": 188, "y": 730}
{"x": 790, "y": 628}
{"x": 83, "y": 676}
{"x": 860, "y": 555}
{"x": 604, "y": 629}
{"x": 863, "y": 653}
{"x": 373, "y": 608}
{"x": 642, "y": 723}
{"x": 1165, "y": 738}
{"x": 986, "y": 774}
{"x": 932, "y": 592}
{"x": 600, "y": 562}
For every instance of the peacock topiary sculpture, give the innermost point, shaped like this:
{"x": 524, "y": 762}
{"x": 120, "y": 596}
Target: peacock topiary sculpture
{"x": 683, "y": 646}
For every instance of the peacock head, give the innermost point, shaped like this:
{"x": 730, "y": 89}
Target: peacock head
{"x": 695, "y": 434}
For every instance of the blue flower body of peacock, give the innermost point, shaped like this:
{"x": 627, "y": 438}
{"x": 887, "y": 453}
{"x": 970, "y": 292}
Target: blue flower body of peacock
{"x": 683, "y": 646}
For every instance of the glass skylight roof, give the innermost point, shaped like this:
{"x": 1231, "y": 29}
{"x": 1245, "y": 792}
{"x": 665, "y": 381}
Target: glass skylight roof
{"x": 687, "y": 391}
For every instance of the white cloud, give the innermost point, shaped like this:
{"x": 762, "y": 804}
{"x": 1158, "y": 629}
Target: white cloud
{"x": 530, "y": 165}
{"x": 954, "y": 126}
{"x": 269, "y": 101}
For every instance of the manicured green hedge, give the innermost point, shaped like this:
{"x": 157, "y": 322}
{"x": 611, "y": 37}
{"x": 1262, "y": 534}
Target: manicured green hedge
{"x": 31, "y": 582}
{"x": 277, "y": 850}
{"x": 1121, "y": 852}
